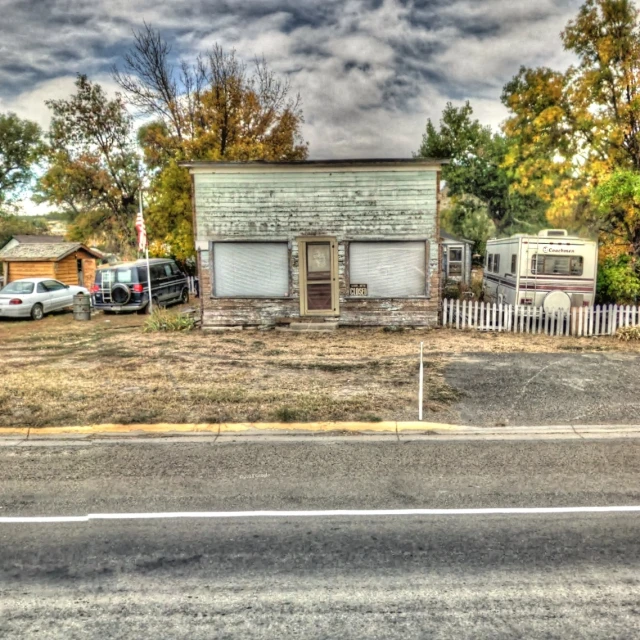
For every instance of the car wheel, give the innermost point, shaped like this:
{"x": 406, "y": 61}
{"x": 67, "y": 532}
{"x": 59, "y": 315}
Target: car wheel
{"x": 37, "y": 312}
{"x": 184, "y": 298}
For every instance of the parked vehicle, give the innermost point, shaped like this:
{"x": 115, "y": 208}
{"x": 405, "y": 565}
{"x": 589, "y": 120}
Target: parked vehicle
{"x": 125, "y": 287}
{"x": 552, "y": 270}
{"x": 35, "y": 297}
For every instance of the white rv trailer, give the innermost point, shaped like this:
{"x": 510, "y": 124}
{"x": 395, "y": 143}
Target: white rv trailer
{"x": 552, "y": 270}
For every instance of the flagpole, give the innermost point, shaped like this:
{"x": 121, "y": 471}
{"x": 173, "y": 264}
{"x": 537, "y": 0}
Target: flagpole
{"x": 146, "y": 248}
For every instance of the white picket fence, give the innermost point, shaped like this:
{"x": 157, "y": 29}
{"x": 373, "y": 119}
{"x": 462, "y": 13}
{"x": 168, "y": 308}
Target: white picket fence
{"x": 191, "y": 280}
{"x": 580, "y": 321}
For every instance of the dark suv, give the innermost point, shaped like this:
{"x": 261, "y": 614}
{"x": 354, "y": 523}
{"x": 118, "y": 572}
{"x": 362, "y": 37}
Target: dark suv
{"x": 125, "y": 287}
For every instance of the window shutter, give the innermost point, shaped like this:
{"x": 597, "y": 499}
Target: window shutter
{"x": 252, "y": 269}
{"x": 389, "y": 269}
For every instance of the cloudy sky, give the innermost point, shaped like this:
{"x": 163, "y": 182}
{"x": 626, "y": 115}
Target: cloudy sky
{"x": 370, "y": 72}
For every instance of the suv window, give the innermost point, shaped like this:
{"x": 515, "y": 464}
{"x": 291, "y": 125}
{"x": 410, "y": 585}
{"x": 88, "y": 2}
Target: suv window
{"x": 167, "y": 270}
{"x": 123, "y": 275}
{"x": 142, "y": 274}
{"x": 157, "y": 272}
{"x": 174, "y": 269}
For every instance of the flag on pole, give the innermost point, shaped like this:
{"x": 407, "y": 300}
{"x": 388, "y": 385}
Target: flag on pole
{"x": 142, "y": 231}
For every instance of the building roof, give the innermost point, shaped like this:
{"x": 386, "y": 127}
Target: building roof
{"x": 317, "y": 163}
{"x": 50, "y": 252}
{"x": 33, "y": 239}
{"x": 448, "y": 236}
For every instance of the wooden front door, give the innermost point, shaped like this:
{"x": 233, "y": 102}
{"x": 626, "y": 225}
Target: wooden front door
{"x": 319, "y": 292}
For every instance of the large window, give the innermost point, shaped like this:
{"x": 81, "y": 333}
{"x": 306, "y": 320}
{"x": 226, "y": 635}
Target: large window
{"x": 548, "y": 265}
{"x": 454, "y": 264}
{"x": 389, "y": 269}
{"x": 251, "y": 269}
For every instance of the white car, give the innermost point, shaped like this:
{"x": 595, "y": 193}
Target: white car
{"x": 33, "y": 297}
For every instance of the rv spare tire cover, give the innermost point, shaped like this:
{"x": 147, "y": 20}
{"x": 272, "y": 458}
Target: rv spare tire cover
{"x": 120, "y": 293}
{"x": 557, "y": 300}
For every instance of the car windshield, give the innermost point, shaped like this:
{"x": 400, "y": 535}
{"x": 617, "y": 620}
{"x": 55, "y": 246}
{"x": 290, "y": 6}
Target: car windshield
{"x": 21, "y": 288}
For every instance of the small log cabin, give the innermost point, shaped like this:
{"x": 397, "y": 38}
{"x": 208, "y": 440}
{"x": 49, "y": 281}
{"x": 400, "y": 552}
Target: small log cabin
{"x": 69, "y": 262}
{"x": 352, "y": 242}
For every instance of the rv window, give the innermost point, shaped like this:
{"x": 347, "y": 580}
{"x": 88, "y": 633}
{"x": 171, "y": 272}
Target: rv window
{"x": 454, "y": 265}
{"x": 514, "y": 262}
{"x": 496, "y": 263}
{"x": 548, "y": 265}
{"x": 251, "y": 269}
{"x": 490, "y": 262}
{"x": 389, "y": 269}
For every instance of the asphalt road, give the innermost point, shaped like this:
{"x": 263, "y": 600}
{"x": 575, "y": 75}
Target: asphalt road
{"x": 463, "y": 576}
{"x": 545, "y": 388}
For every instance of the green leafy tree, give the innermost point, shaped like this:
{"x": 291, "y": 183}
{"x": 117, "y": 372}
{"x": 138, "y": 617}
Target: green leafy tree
{"x": 479, "y": 185}
{"x": 93, "y": 170}
{"x": 20, "y": 150}
{"x": 575, "y": 130}
{"x": 11, "y": 225}
{"x": 215, "y": 109}
{"x": 469, "y": 218}
{"x": 619, "y": 280}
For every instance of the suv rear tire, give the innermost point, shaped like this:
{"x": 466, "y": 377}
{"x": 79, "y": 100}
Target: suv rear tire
{"x": 184, "y": 297}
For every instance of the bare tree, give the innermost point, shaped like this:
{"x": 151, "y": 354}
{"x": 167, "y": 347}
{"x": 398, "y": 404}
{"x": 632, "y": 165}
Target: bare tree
{"x": 214, "y": 106}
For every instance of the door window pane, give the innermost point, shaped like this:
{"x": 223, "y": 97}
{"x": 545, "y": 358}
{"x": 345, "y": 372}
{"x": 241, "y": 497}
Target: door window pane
{"x": 389, "y": 269}
{"x": 251, "y": 269}
{"x": 318, "y": 260}
{"x": 455, "y": 261}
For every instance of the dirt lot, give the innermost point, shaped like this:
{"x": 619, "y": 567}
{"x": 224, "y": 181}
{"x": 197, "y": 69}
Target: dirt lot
{"x": 61, "y": 372}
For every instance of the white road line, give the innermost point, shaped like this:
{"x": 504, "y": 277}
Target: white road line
{"x": 357, "y": 513}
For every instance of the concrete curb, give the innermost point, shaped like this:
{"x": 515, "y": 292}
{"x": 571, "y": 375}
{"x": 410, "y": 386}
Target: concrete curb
{"x": 401, "y": 430}
{"x": 227, "y": 428}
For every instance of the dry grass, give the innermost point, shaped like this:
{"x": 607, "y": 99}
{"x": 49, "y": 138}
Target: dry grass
{"x": 60, "y": 372}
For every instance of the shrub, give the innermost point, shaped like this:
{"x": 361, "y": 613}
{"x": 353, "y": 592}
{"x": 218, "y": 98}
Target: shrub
{"x": 628, "y": 333}
{"x": 619, "y": 281}
{"x": 163, "y": 320}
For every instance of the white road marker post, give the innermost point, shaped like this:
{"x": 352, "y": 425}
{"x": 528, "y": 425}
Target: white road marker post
{"x": 420, "y": 391}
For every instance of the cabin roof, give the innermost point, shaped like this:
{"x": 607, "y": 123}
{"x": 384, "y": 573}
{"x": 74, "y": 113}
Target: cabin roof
{"x": 448, "y": 236}
{"x": 49, "y": 252}
{"x": 34, "y": 239}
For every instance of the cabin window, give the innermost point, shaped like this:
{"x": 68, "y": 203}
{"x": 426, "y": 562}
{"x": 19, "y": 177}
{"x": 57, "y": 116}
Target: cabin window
{"x": 514, "y": 262}
{"x": 490, "y": 262}
{"x": 454, "y": 264}
{"x": 549, "y": 265}
{"x": 389, "y": 269}
{"x": 250, "y": 269}
{"x": 496, "y": 263}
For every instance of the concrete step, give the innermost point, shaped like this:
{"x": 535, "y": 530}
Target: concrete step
{"x": 313, "y": 326}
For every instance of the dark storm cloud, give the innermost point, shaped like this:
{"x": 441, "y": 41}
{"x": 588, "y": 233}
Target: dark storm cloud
{"x": 370, "y": 72}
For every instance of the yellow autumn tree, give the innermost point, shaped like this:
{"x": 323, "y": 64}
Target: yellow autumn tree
{"x": 573, "y": 131}
{"x": 215, "y": 109}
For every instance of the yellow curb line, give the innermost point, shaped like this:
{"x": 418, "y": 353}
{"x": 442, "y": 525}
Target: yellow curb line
{"x": 220, "y": 429}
